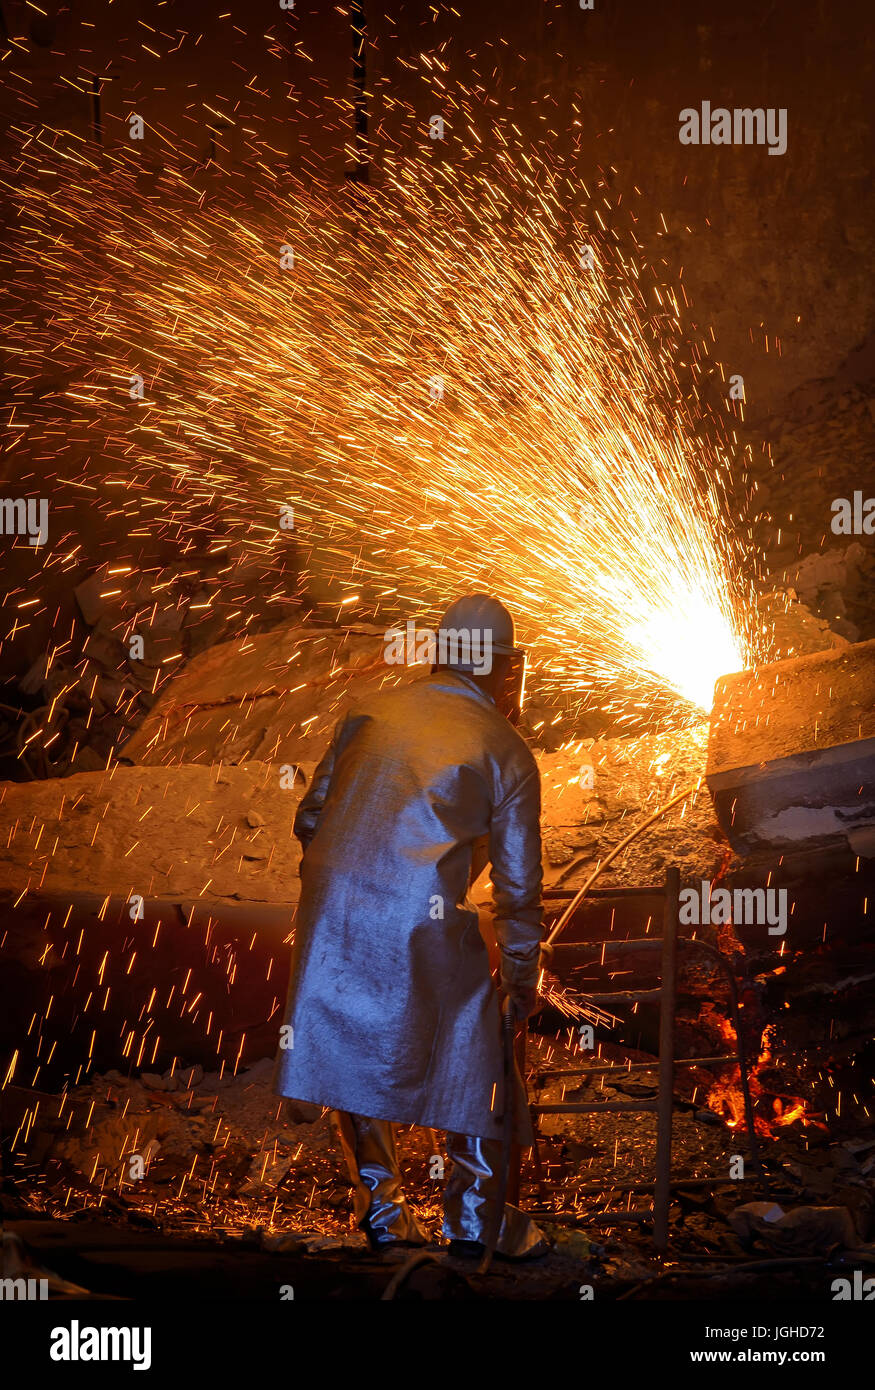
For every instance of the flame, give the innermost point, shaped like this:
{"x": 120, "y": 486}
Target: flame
{"x": 696, "y": 624}
{"x": 726, "y": 1098}
{"x": 796, "y": 1111}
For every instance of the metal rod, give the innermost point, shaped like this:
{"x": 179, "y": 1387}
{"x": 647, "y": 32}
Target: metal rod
{"x": 623, "y": 996}
{"x": 496, "y": 1215}
{"x": 610, "y": 857}
{"x": 516, "y": 1153}
{"x": 625, "y": 944}
{"x": 592, "y": 1189}
{"x": 628, "y": 943}
{"x": 656, "y": 891}
{"x": 622, "y": 1069}
{"x": 587, "y": 1108}
{"x": 625, "y": 1218}
{"x": 666, "y": 1060}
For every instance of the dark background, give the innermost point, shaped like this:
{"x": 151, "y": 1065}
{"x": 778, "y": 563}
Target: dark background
{"x": 772, "y": 248}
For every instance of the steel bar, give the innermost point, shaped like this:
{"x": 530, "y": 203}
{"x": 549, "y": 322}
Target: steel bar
{"x": 622, "y": 1069}
{"x": 585, "y": 1108}
{"x": 564, "y": 894}
{"x": 625, "y": 943}
{"x": 623, "y": 996}
{"x": 666, "y": 1059}
{"x": 592, "y": 1189}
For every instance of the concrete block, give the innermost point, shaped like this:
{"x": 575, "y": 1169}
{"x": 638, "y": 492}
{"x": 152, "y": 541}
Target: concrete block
{"x": 791, "y": 751}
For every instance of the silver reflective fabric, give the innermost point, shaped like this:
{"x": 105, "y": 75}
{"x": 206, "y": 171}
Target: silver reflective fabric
{"x": 382, "y": 1210}
{"x": 471, "y": 1192}
{"x": 394, "y": 1012}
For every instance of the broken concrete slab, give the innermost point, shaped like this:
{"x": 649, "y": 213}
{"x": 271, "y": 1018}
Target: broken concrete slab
{"x": 791, "y": 754}
{"x": 273, "y": 695}
{"x": 794, "y": 629}
{"x": 172, "y": 835}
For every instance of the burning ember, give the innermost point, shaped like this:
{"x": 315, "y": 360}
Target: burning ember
{"x": 725, "y": 1096}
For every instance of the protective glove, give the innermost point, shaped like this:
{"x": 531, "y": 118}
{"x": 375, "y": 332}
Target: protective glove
{"x": 519, "y": 981}
{"x": 523, "y": 1002}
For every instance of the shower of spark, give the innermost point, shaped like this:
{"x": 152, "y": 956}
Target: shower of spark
{"x": 452, "y": 379}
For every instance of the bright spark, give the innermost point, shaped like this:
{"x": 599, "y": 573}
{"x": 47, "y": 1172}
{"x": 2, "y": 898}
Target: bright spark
{"x": 447, "y": 387}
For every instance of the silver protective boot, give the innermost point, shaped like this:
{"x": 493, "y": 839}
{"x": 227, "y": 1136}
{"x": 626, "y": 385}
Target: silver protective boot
{"x": 381, "y": 1208}
{"x": 471, "y": 1193}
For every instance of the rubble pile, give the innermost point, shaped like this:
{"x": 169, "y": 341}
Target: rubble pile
{"x": 201, "y": 1156}
{"x": 129, "y": 634}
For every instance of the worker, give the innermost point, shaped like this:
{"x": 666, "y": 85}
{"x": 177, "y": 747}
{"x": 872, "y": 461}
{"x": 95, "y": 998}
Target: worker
{"x": 392, "y": 1013}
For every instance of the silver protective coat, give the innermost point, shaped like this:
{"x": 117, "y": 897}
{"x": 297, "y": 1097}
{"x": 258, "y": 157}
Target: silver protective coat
{"x": 393, "y": 1011}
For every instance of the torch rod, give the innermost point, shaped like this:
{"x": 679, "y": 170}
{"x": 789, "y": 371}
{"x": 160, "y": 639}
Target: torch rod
{"x": 609, "y": 859}
{"x": 496, "y": 1216}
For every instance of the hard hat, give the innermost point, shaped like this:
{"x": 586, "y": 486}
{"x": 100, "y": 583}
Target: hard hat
{"x": 485, "y": 616}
